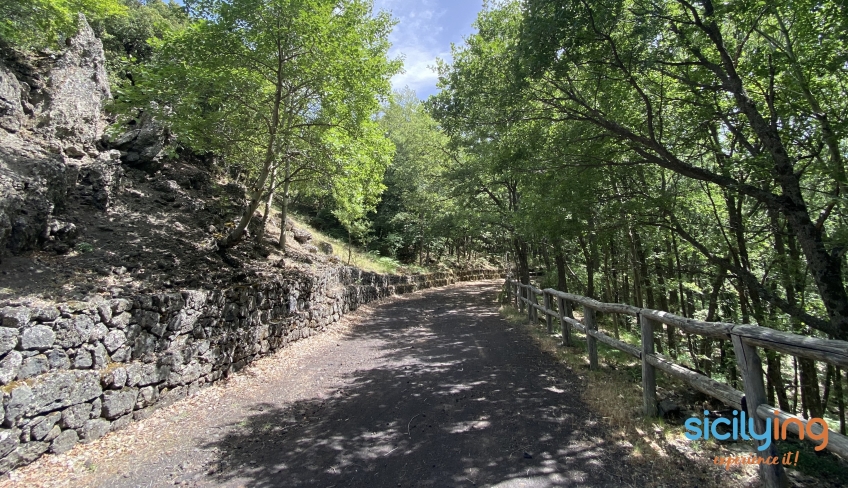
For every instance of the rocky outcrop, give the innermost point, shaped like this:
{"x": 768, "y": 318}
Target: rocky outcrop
{"x": 142, "y": 144}
{"x": 11, "y": 110}
{"x": 75, "y": 371}
{"x": 50, "y": 125}
{"x": 301, "y": 236}
{"x": 78, "y": 87}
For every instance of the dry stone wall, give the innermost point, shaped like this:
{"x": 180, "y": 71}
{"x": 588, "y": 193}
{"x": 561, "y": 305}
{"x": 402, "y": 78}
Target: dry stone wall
{"x": 78, "y": 370}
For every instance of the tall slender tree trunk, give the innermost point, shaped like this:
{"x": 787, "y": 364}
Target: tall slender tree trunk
{"x": 840, "y": 400}
{"x": 559, "y": 259}
{"x": 521, "y": 259}
{"x": 671, "y": 333}
{"x": 810, "y": 399}
{"x": 260, "y": 235}
{"x": 637, "y": 278}
{"x": 267, "y": 165}
{"x": 284, "y": 205}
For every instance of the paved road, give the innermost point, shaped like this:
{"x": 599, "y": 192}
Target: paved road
{"x": 432, "y": 389}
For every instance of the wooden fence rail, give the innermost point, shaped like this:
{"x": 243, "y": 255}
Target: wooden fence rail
{"x": 745, "y": 339}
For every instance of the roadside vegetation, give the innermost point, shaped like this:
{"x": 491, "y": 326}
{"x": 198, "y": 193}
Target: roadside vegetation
{"x": 679, "y": 156}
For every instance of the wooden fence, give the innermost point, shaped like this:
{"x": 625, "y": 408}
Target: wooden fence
{"x": 745, "y": 338}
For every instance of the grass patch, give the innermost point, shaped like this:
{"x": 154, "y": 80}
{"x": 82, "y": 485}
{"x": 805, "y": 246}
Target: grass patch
{"x": 817, "y": 464}
{"x": 365, "y": 260}
{"x": 614, "y": 392}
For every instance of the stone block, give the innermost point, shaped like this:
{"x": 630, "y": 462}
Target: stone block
{"x": 9, "y": 440}
{"x": 120, "y": 305}
{"x": 75, "y": 416}
{"x": 83, "y": 359}
{"x": 100, "y": 356}
{"x": 96, "y": 409}
{"x": 58, "y": 359}
{"x": 104, "y": 309}
{"x": 39, "y": 337}
{"x": 147, "y": 396}
{"x": 115, "y": 378}
{"x": 67, "y": 334}
{"x": 121, "y": 320}
{"x": 64, "y": 441}
{"x": 98, "y": 332}
{"x": 60, "y": 389}
{"x": 143, "y": 345}
{"x": 9, "y": 367}
{"x": 19, "y": 403}
{"x": 114, "y": 340}
{"x": 122, "y": 355}
{"x": 31, "y": 451}
{"x": 146, "y": 374}
{"x": 8, "y": 339}
{"x": 117, "y": 403}
{"x": 45, "y": 314}
{"x": 15, "y": 317}
{"x": 33, "y": 366}
{"x": 94, "y": 429}
{"x": 54, "y": 433}
{"x": 41, "y": 426}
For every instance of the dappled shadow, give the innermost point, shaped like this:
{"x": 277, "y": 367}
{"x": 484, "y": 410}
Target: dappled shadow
{"x": 458, "y": 398}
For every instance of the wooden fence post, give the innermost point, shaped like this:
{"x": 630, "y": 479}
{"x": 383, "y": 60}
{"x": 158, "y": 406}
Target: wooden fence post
{"x": 649, "y": 376}
{"x": 531, "y": 299}
{"x": 591, "y": 342}
{"x": 548, "y": 319}
{"x": 562, "y": 303}
{"x": 535, "y": 310}
{"x": 772, "y": 476}
{"x": 508, "y": 291}
{"x": 517, "y": 293}
{"x": 521, "y": 294}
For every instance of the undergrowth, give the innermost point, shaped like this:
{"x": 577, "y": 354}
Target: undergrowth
{"x": 614, "y": 393}
{"x": 365, "y": 260}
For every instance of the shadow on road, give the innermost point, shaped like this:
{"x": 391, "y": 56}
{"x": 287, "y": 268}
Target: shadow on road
{"x": 458, "y": 399}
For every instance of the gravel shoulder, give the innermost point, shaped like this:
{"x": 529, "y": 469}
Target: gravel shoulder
{"x": 429, "y": 389}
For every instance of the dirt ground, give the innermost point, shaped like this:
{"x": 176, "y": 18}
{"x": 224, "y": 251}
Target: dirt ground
{"x": 430, "y": 389}
{"x": 158, "y": 232}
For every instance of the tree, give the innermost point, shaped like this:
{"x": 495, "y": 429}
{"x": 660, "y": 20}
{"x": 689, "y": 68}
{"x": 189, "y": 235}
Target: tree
{"x": 269, "y": 83}
{"x": 42, "y": 23}
{"x": 418, "y": 208}
{"x": 720, "y": 65}
{"x": 125, "y": 36}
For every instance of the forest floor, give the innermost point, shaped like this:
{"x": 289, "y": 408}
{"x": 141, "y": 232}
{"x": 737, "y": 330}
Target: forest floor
{"x": 429, "y": 389}
{"x": 159, "y": 232}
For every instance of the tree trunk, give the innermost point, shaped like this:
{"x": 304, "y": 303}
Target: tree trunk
{"x": 810, "y": 399}
{"x": 521, "y": 259}
{"x": 260, "y": 235}
{"x": 559, "y": 259}
{"x": 840, "y": 400}
{"x": 643, "y": 272}
{"x": 775, "y": 379}
{"x": 284, "y": 205}
{"x": 671, "y": 332}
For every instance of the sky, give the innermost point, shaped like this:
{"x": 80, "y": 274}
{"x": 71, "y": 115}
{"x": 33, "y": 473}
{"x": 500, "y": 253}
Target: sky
{"x": 425, "y": 31}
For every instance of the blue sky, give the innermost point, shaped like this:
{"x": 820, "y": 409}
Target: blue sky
{"x": 425, "y": 31}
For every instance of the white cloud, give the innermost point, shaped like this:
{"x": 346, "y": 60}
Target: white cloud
{"x": 418, "y": 73}
{"x": 416, "y": 38}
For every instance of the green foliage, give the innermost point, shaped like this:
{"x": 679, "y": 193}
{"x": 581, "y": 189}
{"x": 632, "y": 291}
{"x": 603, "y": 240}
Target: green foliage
{"x": 42, "y": 23}
{"x": 285, "y": 90}
{"x": 84, "y": 247}
{"x": 125, "y": 37}
{"x": 418, "y": 211}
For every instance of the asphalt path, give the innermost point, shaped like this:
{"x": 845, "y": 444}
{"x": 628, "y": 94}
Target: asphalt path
{"x": 431, "y": 389}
